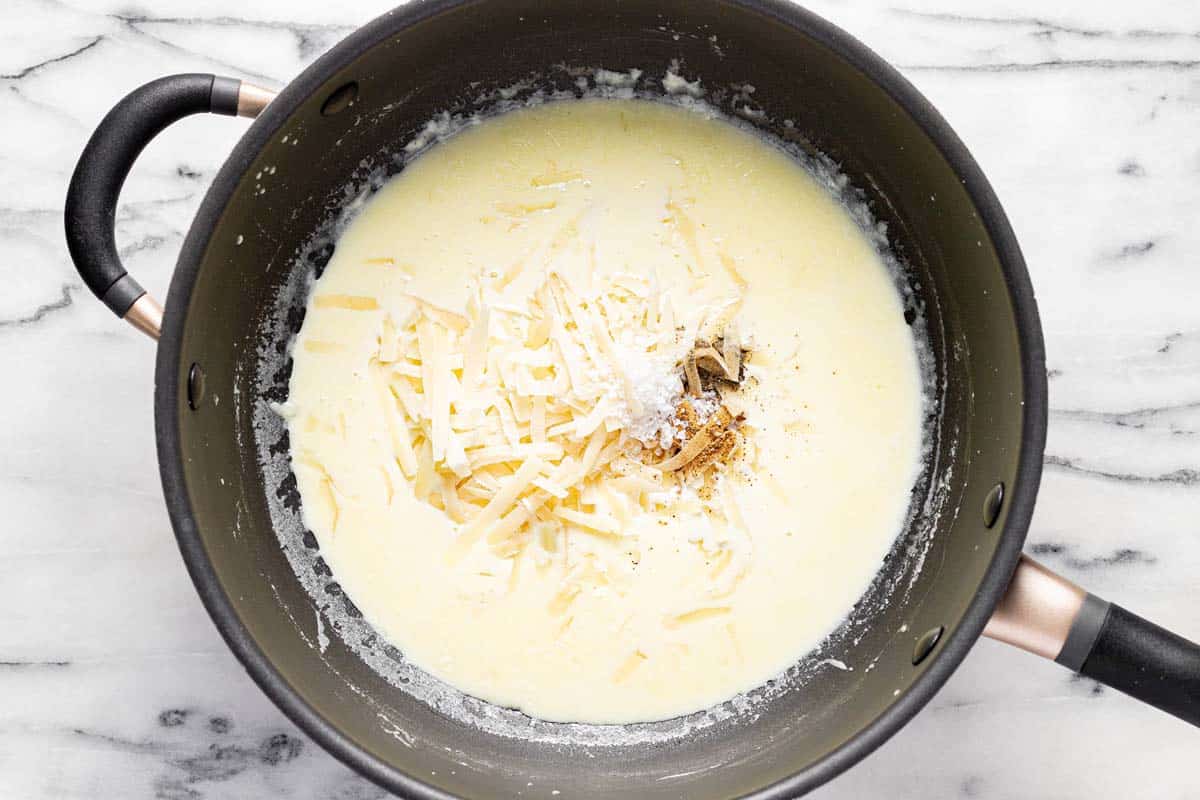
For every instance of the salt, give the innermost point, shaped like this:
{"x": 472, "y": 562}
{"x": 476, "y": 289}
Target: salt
{"x": 657, "y": 388}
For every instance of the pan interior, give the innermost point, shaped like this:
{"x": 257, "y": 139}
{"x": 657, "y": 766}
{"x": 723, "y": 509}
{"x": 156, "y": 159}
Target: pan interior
{"x": 303, "y": 172}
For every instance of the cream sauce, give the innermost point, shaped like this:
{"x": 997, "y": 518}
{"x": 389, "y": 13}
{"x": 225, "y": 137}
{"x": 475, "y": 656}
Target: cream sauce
{"x": 653, "y": 626}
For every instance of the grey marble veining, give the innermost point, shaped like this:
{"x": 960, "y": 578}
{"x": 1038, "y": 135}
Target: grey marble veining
{"x": 113, "y": 682}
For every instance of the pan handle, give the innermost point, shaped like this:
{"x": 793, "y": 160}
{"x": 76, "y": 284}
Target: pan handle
{"x": 90, "y": 213}
{"x": 1046, "y": 614}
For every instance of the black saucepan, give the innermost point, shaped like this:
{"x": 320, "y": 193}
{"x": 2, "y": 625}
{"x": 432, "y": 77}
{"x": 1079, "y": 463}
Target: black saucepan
{"x": 262, "y": 228}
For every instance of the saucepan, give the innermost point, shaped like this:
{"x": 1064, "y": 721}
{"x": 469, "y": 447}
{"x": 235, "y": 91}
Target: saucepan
{"x": 268, "y": 224}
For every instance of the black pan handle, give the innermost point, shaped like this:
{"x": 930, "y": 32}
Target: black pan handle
{"x": 1147, "y": 662}
{"x": 90, "y": 213}
{"x": 1046, "y": 614}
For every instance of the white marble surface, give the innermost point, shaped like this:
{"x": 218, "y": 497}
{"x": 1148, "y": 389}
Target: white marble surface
{"x": 114, "y": 683}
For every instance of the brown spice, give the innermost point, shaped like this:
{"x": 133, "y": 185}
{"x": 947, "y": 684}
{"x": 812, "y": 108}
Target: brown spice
{"x": 710, "y": 363}
{"x": 703, "y": 445}
{"x": 716, "y": 442}
{"x": 719, "y": 451}
{"x": 686, "y": 414}
{"x": 691, "y": 375}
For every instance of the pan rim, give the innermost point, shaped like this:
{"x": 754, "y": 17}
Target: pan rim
{"x": 168, "y": 387}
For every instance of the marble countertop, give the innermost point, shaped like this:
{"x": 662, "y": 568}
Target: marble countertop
{"x": 113, "y": 681}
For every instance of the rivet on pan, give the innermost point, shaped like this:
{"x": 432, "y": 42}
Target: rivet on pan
{"x": 992, "y": 505}
{"x": 195, "y": 387}
{"x": 926, "y": 643}
{"x": 340, "y": 99}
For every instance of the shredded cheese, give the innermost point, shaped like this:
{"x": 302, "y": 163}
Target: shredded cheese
{"x": 531, "y": 422}
{"x": 397, "y": 429}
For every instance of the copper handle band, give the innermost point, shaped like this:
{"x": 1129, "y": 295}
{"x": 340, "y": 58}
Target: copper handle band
{"x": 146, "y": 314}
{"x": 1038, "y": 610}
{"x": 253, "y": 99}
